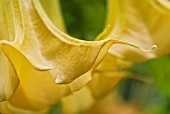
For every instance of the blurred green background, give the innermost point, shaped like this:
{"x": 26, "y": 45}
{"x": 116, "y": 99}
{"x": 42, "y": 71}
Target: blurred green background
{"x": 85, "y": 19}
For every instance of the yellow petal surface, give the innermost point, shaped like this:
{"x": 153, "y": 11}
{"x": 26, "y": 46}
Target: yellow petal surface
{"x": 112, "y": 63}
{"x": 79, "y": 101}
{"x": 53, "y": 10}
{"x": 8, "y": 78}
{"x": 103, "y": 83}
{"x": 37, "y": 89}
{"x": 145, "y": 23}
{"x": 42, "y": 54}
{"x": 105, "y": 79}
{"x": 46, "y": 47}
{"x": 7, "y": 108}
{"x": 107, "y": 76}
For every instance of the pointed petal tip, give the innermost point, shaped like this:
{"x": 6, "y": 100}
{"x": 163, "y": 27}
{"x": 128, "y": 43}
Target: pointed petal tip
{"x": 59, "y": 80}
{"x": 154, "y": 47}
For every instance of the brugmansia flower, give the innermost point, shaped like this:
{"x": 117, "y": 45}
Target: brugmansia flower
{"x": 40, "y": 64}
{"x": 142, "y": 22}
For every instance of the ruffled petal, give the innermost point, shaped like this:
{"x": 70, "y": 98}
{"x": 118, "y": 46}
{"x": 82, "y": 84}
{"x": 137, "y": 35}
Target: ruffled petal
{"x": 142, "y": 22}
{"x": 37, "y": 89}
{"x": 42, "y": 54}
{"x": 46, "y": 47}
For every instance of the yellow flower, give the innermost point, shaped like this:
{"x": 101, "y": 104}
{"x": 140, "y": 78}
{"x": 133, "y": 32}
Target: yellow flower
{"x": 40, "y": 64}
{"x": 142, "y": 22}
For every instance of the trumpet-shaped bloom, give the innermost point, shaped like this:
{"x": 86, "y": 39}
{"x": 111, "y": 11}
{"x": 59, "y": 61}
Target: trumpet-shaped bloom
{"x": 141, "y": 22}
{"x": 40, "y": 53}
{"x": 127, "y": 20}
{"x": 35, "y": 53}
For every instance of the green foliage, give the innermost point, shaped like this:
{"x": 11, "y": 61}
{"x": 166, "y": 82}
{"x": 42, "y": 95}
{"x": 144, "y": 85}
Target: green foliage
{"x": 84, "y": 19}
{"x": 56, "y": 109}
{"x": 154, "y": 96}
{"x": 160, "y": 71}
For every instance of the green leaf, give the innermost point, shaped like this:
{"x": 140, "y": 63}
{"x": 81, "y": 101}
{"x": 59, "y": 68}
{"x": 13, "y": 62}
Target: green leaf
{"x": 56, "y": 109}
{"x": 160, "y": 71}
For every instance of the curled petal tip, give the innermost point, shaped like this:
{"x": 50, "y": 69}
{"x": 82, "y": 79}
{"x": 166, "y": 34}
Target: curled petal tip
{"x": 134, "y": 45}
{"x": 154, "y": 47}
{"x": 58, "y": 80}
{"x": 151, "y": 49}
